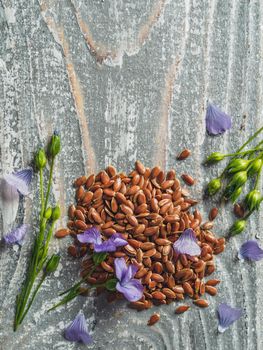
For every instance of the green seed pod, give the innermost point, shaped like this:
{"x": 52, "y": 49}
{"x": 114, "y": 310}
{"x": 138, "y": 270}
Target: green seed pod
{"x": 55, "y": 213}
{"x": 48, "y": 213}
{"x": 52, "y": 263}
{"x": 214, "y": 186}
{"x": 234, "y": 196}
{"x": 255, "y": 167}
{"x": 253, "y": 200}
{"x": 215, "y": 157}
{"x": 237, "y": 227}
{"x": 54, "y": 146}
{"x": 40, "y": 159}
{"x": 238, "y": 165}
{"x": 239, "y": 179}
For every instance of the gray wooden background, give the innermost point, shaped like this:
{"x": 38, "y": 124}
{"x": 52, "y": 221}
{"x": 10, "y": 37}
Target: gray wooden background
{"x": 127, "y": 80}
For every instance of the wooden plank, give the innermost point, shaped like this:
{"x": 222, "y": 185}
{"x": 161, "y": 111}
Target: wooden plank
{"x": 125, "y": 81}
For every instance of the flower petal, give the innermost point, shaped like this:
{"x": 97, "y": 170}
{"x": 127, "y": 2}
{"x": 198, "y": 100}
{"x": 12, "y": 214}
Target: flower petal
{"x": 106, "y": 246}
{"x": 131, "y": 271}
{"x": 186, "y": 244}
{"x": 217, "y": 122}
{"x": 226, "y": 316}
{"x": 20, "y": 180}
{"x": 120, "y": 268}
{"x": 250, "y": 250}
{"x": 118, "y": 241}
{"x": 78, "y": 330}
{"x": 17, "y": 235}
{"x": 90, "y": 236}
{"x": 132, "y": 290}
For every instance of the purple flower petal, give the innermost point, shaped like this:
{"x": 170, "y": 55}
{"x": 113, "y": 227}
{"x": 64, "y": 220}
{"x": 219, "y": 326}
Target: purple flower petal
{"x": 186, "y": 244}
{"x": 130, "y": 287}
{"x": 131, "y": 271}
{"x": 78, "y": 330}
{"x": 226, "y": 316}
{"x": 93, "y": 236}
{"x": 132, "y": 290}
{"x": 111, "y": 244}
{"x": 118, "y": 241}
{"x": 106, "y": 246}
{"x": 120, "y": 268}
{"x": 20, "y": 180}
{"x": 17, "y": 235}
{"x": 217, "y": 122}
{"x": 250, "y": 250}
{"x": 90, "y": 236}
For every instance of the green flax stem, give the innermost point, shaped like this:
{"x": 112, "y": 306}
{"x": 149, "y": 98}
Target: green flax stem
{"x": 49, "y": 182}
{"x": 41, "y": 193}
{"x": 33, "y": 271}
{"x": 250, "y": 139}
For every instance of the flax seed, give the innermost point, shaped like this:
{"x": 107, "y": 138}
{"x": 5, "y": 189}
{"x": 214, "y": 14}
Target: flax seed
{"x": 181, "y": 309}
{"x": 184, "y": 154}
{"x": 153, "y": 319}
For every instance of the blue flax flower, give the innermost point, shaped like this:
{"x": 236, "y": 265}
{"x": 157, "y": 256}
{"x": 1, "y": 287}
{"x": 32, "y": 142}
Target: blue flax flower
{"x": 78, "y": 331}
{"x": 226, "y": 316}
{"x": 110, "y": 245}
{"x": 217, "y": 122}
{"x": 187, "y": 244}
{"x": 130, "y": 287}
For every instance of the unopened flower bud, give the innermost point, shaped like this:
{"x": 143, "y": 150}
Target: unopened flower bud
{"x": 255, "y": 167}
{"x": 237, "y": 227}
{"x": 253, "y": 200}
{"x": 52, "y": 263}
{"x": 48, "y": 213}
{"x": 238, "y": 165}
{"x": 214, "y": 186}
{"x": 55, "y": 213}
{"x": 239, "y": 179}
{"x": 40, "y": 159}
{"x": 54, "y": 146}
{"x": 215, "y": 157}
{"x": 235, "y": 194}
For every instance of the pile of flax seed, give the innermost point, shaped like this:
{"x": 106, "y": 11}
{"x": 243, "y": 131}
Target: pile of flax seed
{"x": 150, "y": 209}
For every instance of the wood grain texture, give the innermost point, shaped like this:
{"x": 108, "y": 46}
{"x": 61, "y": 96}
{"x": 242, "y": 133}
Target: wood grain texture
{"x": 127, "y": 80}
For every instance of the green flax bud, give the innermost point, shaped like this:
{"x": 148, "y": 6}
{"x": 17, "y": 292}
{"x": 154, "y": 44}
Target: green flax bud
{"x": 52, "y": 263}
{"x": 238, "y": 165}
{"x": 253, "y": 200}
{"x": 237, "y": 227}
{"x": 55, "y": 213}
{"x": 214, "y": 186}
{"x": 40, "y": 159}
{"x": 234, "y": 195}
{"x": 239, "y": 179}
{"x": 48, "y": 213}
{"x": 255, "y": 167}
{"x": 215, "y": 157}
{"x": 54, "y": 146}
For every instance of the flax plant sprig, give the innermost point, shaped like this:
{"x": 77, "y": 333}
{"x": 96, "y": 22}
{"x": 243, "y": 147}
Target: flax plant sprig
{"x": 244, "y": 166}
{"x": 130, "y": 287}
{"x": 39, "y": 265}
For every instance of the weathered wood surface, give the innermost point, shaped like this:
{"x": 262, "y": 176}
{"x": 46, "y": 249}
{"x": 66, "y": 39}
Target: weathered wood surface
{"x": 127, "y": 80}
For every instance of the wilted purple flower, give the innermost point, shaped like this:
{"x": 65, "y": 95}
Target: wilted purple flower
{"x": 217, "y": 122}
{"x": 130, "y": 287}
{"x": 16, "y": 235}
{"x": 186, "y": 244}
{"x": 250, "y": 250}
{"x": 93, "y": 236}
{"x": 226, "y": 316}
{"x": 78, "y": 330}
{"x": 17, "y": 182}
